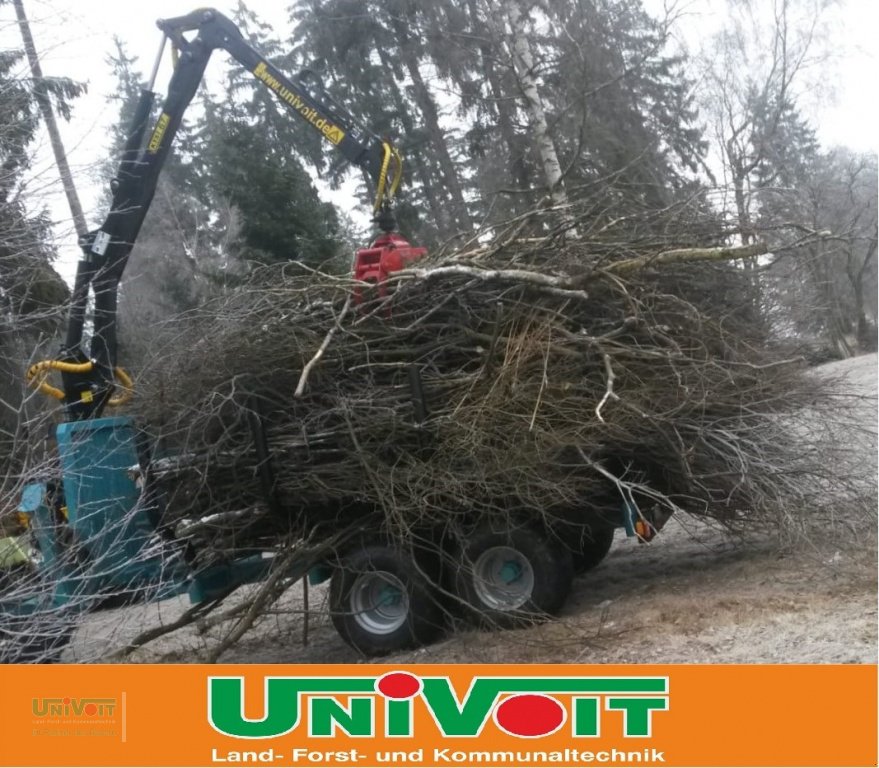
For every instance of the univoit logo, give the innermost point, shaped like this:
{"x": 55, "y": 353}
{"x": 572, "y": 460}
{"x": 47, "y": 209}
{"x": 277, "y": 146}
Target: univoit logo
{"x": 403, "y": 705}
{"x": 71, "y": 707}
{"x": 67, "y": 716}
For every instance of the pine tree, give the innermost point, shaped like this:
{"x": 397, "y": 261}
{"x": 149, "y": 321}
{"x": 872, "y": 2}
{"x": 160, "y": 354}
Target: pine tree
{"x": 615, "y": 108}
{"x": 374, "y": 59}
{"x": 282, "y": 217}
{"x": 249, "y": 153}
{"x": 30, "y": 289}
{"x": 621, "y": 109}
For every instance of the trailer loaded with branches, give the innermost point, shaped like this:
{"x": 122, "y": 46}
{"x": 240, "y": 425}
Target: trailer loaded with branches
{"x": 461, "y": 438}
{"x": 468, "y": 435}
{"x": 456, "y": 434}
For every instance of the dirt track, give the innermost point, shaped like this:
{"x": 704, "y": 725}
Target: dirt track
{"x": 693, "y": 595}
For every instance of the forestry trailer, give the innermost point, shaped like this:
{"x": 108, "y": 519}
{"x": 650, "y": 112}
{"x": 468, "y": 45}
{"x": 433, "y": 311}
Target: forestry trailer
{"x": 381, "y": 600}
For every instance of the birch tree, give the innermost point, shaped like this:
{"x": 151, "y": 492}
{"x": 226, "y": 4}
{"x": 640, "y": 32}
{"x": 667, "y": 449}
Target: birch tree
{"x": 525, "y": 69}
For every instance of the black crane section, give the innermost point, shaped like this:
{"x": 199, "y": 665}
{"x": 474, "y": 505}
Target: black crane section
{"x": 89, "y": 379}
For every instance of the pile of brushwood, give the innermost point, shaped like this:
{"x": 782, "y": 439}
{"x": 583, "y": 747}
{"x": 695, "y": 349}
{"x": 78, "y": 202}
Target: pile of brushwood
{"x": 536, "y": 380}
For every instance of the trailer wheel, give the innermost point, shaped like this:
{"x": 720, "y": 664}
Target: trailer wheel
{"x": 381, "y": 602}
{"x": 513, "y": 578}
{"x": 594, "y": 546}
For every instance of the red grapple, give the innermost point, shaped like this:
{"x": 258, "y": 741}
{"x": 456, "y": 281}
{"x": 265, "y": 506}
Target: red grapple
{"x": 389, "y": 253}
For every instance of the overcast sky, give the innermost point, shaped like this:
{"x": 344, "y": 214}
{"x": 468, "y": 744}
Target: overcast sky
{"x": 75, "y": 38}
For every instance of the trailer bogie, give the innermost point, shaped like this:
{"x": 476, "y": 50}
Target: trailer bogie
{"x": 99, "y": 535}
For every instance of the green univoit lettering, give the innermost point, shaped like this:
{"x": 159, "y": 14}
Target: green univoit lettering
{"x": 328, "y": 714}
{"x": 280, "y": 705}
{"x": 399, "y": 717}
{"x": 637, "y": 717}
{"x": 464, "y": 720}
{"x": 468, "y": 718}
{"x": 282, "y": 696}
{"x": 586, "y": 716}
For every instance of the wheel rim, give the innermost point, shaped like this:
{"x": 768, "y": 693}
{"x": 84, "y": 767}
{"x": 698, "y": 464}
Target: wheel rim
{"x": 379, "y": 602}
{"x": 503, "y": 578}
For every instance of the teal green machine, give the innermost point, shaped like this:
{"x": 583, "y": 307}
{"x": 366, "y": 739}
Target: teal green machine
{"x": 96, "y": 532}
{"x": 109, "y": 544}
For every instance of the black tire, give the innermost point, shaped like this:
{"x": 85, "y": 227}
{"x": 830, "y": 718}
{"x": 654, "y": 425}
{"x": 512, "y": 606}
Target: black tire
{"x": 513, "y": 578}
{"x": 364, "y": 591}
{"x": 594, "y": 546}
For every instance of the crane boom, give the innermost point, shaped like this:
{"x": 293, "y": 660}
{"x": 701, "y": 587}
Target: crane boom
{"x": 88, "y": 379}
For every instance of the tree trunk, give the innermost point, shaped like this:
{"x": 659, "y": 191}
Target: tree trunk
{"x": 518, "y": 167}
{"x": 439, "y": 212}
{"x": 866, "y": 333}
{"x": 523, "y": 64}
{"x": 746, "y": 231}
{"x": 743, "y": 216}
{"x": 425, "y": 102}
{"x": 51, "y": 125}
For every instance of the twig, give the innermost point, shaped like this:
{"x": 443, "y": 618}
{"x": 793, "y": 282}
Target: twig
{"x": 190, "y": 616}
{"x": 265, "y": 593}
{"x": 560, "y": 285}
{"x": 543, "y": 381}
{"x": 305, "y": 611}
{"x": 609, "y": 393}
{"x": 303, "y": 379}
{"x": 688, "y": 255}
